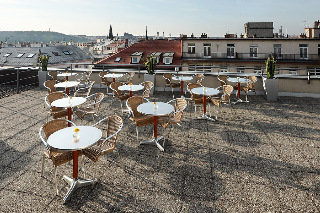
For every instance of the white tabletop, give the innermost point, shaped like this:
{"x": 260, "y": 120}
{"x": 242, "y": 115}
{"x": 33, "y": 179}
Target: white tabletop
{"x": 133, "y": 87}
{"x": 67, "y": 84}
{"x": 114, "y": 75}
{"x": 65, "y": 74}
{"x": 67, "y": 102}
{"x": 207, "y": 91}
{"x": 237, "y": 79}
{"x": 182, "y": 78}
{"x": 160, "y": 109}
{"x": 63, "y": 138}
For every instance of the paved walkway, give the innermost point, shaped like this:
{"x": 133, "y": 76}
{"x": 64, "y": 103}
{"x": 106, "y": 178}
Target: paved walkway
{"x": 258, "y": 157}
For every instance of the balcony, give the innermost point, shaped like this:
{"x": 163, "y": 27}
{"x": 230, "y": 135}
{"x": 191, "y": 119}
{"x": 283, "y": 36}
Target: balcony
{"x": 250, "y": 57}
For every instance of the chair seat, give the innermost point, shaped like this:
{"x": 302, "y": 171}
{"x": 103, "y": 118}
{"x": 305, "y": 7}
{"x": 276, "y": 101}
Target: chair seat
{"x": 59, "y": 158}
{"x": 216, "y": 102}
{"x": 143, "y": 120}
{"x": 57, "y": 112}
{"x": 175, "y": 85}
{"x": 94, "y": 152}
{"x": 123, "y": 97}
{"x": 84, "y": 111}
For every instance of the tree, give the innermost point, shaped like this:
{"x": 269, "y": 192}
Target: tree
{"x": 110, "y": 33}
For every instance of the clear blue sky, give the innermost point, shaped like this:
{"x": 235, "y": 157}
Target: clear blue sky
{"x": 214, "y": 17}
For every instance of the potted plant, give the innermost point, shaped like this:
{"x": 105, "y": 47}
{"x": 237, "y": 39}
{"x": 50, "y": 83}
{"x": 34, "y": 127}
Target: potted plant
{"x": 42, "y": 73}
{"x": 271, "y": 84}
{"x": 150, "y": 65}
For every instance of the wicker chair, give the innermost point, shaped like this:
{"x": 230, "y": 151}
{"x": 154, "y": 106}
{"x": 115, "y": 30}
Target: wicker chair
{"x": 49, "y": 84}
{"x": 105, "y": 80}
{"x": 222, "y": 79}
{"x": 107, "y": 145}
{"x": 84, "y": 90}
{"x": 55, "y": 112}
{"x": 53, "y": 75}
{"x": 199, "y": 78}
{"x": 224, "y": 99}
{"x": 92, "y": 107}
{"x": 119, "y": 94}
{"x": 57, "y": 158}
{"x": 147, "y": 89}
{"x": 169, "y": 83}
{"x": 175, "y": 117}
{"x": 138, "y": 118}
{"x": 250, "y": 86}
{"x": 196, "y": 100}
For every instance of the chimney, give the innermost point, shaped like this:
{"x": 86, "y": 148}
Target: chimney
{"x": 126, "y": 41}
{"x": 163, "y": 35}
{"x": 157, "y": 35}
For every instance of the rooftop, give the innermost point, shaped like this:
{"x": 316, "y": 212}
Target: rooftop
{"x": 258, "y": 157}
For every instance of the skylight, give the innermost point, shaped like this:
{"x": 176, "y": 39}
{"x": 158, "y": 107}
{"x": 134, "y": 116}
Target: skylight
{"x": 117, "y": 59}
{"x": 6, "y": 55}
{"x": 56, "y": 54}
{"x": 66, "y": 52}
{"x": 137, "y": 54}
{"x": 31, "y": 55}
{"x": 20, "y": 55}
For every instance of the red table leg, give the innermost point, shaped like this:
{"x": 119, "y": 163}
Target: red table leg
{"x": 69, "y": 115}
{"x": 75, "y": 164}
{"x": 130, "y": 93}
{"x": 67, "y": 78}
{"x": 155, "y": 126}
{"x": 239, "y": 90}
{"x": 204, "y": 104}
{"x": 181, "y": 88}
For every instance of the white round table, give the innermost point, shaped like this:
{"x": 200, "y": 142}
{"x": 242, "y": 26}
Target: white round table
{"x": 113, "y": 76}
{"x": 205, "y": 91}
{"x": 131, "y": 88}
{"x": 68, "y": 103}
{"x": 66, "y": 74}
{"x": 67, "y": 85}
{"x": 239, "y": 81}
{"x": 156, "y": 109}
{"x": 63, "y": 140}
{"x": 182, "y": 79}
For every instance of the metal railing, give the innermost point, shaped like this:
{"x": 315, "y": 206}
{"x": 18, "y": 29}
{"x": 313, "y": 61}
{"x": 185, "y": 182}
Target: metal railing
{"x": 14, "y": 80}
{"x": 252, "y": 56}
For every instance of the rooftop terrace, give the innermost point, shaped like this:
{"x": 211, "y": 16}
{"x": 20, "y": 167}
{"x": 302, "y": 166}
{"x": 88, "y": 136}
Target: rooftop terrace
{"x": 258, "y": 157}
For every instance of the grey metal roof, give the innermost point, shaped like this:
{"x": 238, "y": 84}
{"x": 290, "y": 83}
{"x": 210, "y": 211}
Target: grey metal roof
{"x": 58, "y": 54}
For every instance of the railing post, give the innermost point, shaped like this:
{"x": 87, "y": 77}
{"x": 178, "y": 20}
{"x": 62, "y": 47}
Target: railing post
{"x": 17, "y": 81}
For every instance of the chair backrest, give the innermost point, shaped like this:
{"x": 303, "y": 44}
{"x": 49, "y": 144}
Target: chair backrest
{"x": 227, "y": 90}
{"x": 53, "y": 126}
{"x": 54, "y": 96}
{"x": 199, "y": 78}
{"x": 180, "y": 106}
{"x": 130, "y": 76}
{"x": 133, "y": 103}
{"x": 49, "y": 84}
{"x": 97, "y": 100}
{"x": 114, "y": 86}
{"x": 147, "y": 88}
{"x": 115, "y": 124}
{"x": 222, "y": 79}
{"x": 84, "y": 90}
{"x": 53, "y": 75}
{"x": 191, "y": 86}
{"x": 251, "y": 83}
{"x": 167, "y": 77}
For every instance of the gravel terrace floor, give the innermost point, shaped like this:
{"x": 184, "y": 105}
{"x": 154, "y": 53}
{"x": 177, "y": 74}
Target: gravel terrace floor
{"x": 258, "y": 157}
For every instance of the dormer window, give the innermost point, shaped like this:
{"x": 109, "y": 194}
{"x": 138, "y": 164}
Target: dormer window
{"x": 168, "y": 58}
{"x": 135, "y": 57}
{"x": 156, "y": 56}
{"x": 117, "y": 59}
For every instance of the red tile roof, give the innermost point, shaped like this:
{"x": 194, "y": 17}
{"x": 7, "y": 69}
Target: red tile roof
{"x": 147, "y": 47}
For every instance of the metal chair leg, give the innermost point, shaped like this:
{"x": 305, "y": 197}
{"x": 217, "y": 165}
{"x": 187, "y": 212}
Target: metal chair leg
{"x": 137, "y": 133}
{"x": 42, "y": 167}
{"x": 55, "y": 179}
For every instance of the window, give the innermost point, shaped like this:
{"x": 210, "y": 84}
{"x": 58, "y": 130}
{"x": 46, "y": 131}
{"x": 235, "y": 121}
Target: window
{"x": 277, "y": 50}
{"x": 6, "y": 55}
{"x": 134, "y": 60}
{"x": 20, "y": 55}
{"x": 66, "y": 52}
{"x": 293, "y": 71}
{"x": 240, "y": 69}
{"x": 318, "y": 49}
{"x": 191, "y": 48}
{"x": 207, "y": 50}
{"x": 31, "y": 55}
{"x": 253, "y": 51}
{"x": 167, "y": 60}
{"x": 303, "y": 51}
{"x": 230, "y": 51}
{"x": 117, "y": 59}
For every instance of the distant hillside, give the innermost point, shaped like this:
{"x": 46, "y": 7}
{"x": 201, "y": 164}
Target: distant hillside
{"x": 38, "y": 36}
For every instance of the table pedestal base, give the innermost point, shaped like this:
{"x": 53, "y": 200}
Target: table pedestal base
{"x": 240, "y": 101}
{"x": 75, "y": 184}
{"x": 208, "y": 117}
{"x": 154, "y": 141}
